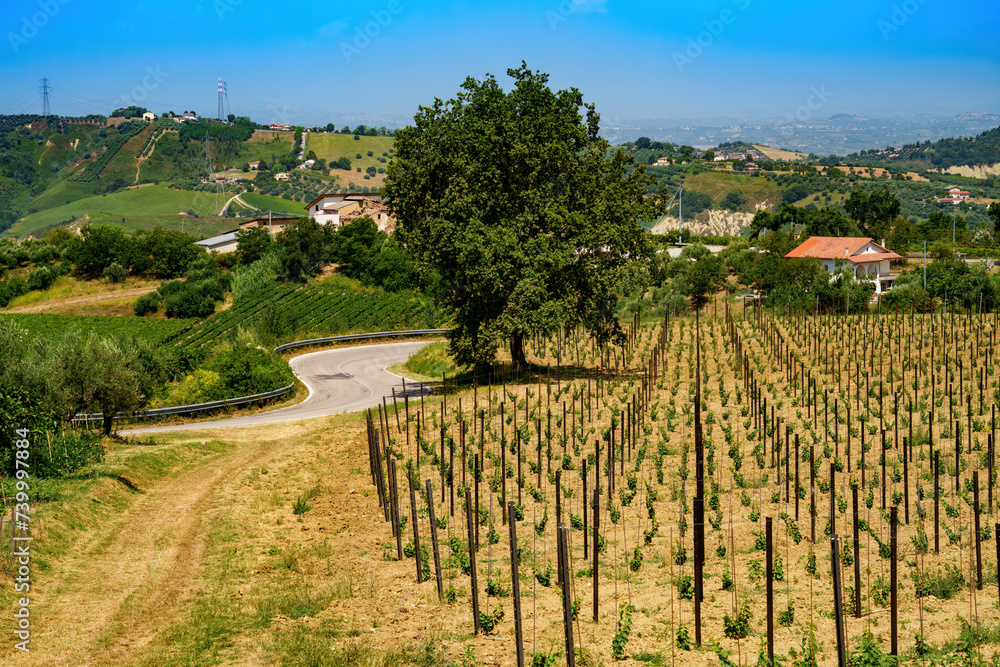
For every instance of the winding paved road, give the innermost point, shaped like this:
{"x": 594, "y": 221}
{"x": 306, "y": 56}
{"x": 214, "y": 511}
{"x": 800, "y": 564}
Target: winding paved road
{"x": 345, "y": 379}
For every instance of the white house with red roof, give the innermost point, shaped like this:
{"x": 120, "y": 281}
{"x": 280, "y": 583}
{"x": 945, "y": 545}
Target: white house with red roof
{"x": 954, "y": 195}
{"x": 868, "y": 260}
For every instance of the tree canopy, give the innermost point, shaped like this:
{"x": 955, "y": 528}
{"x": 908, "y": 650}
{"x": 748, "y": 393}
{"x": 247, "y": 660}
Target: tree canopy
{"x": 510, "y": 198}
{"x": 873, "y": 210}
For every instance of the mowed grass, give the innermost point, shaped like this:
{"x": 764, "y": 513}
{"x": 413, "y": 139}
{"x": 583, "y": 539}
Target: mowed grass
{"x": 430, "y": 364}
{"x": 61, "y": 192}
{"x": 756, "y": 189}
{"x": 144, "y": 200}
{"x": 778, "y": 154}
{"x": 266, "y": 145}
{"x": 334, "y": 146}
{"x": 276, "y": 204}
{"x": 67, "y": 288}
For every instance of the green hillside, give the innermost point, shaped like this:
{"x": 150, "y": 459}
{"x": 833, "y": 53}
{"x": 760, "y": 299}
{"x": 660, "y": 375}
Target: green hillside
{"x": 275, "y": 204}
{"x": 141, "y": 201}
{"x": 717, "y": 185}
{"x": 331, "y": 147}
{"x": 52, "y": 326}
{"x": 267, "y": 145}
{"x": 335, "y": 306}
{"x": 948, "y": 152}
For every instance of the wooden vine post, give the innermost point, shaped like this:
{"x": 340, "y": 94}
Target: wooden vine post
{"x": 472, "y": 558}
{"x": 515, "y": 581}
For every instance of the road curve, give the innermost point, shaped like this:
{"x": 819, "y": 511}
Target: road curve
{"x": 345, "y": 379}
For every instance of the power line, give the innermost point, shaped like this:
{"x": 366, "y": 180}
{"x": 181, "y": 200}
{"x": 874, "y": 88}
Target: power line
{"x": 45, "y": 97}
{"x": 222, "y": 95}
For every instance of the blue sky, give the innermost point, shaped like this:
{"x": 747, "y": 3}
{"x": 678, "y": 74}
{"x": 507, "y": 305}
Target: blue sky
{"x": 301, "y": 61}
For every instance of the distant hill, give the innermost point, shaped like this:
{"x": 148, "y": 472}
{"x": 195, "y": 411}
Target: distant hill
{"x": 59, "y": 171}
{"x": 983, "y": 149}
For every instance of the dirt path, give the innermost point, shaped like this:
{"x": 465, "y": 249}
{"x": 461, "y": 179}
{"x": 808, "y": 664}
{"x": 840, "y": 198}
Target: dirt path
{"x": 145, "y": 156}
{"x": 235, "y": 198}
{"x": 133, "y": 578}
{"x": 83, "y": 300}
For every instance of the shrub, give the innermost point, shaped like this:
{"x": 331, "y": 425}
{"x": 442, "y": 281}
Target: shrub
{"x": 201, "y": 386}
{"x": 42, "y": 277}
{"x": 189, "y": 302}
{"x": 248, "y": 369}
{"x": 147, "y": 304}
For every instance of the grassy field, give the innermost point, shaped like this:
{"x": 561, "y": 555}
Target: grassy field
{"x": 71, "y": 296}
{"x": 334, "y": 146}
{"x": 716, "y": 185}
{"x": 778, "y": 154}
{"x": 62, "y": 191}
{"x": 276, "y": 204}
{"x": 266, "y": 145}
{"x": 142, "y": 201}
{"x": 836, "y": 199}
{"x": 48, "y": 325}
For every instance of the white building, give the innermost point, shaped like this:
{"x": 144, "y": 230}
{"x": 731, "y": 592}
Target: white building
{"x": 340, "y": 209}
{"x": 867, "y": 259}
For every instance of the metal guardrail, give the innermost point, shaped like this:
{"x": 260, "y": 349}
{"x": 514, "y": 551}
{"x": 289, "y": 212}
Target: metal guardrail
{"x": 377, "y": 334}
{"x": 267, "y": 395}
{"x": 187, "y": 409}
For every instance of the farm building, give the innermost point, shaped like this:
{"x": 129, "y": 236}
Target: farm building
{"x": 340, "y": 209}
{"x": 228, "y": 242}
{"x": 273, "y": 224}
{"x": 868, "y": 260}
{"x": 222, "y": 244}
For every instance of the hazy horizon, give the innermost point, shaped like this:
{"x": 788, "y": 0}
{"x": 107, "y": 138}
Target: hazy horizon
{"x": 748, "y": 60}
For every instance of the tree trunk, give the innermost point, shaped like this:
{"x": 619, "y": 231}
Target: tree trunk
{"x": 109, "y": 421}
{"x": 518, "y": 360}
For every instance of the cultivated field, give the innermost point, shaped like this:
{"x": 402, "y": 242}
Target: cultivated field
{"x": 777, "y": 393}
{"x": 778, "y": 154}
{"x": 285, "y": 556}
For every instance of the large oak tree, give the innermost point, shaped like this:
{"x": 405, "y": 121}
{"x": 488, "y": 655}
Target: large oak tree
{"x": 512, "y": 198}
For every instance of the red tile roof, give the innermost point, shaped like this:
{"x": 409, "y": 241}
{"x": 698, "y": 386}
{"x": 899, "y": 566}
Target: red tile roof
{"x": 833, "y": 247}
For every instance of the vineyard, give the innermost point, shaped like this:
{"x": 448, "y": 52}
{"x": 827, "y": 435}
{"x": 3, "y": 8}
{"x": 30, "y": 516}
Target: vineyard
{"x": 125, "y": 132}
{"x": 52, "y": 326}
{"x": 708, "y": 485}
{"x": 291, "y": 312}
